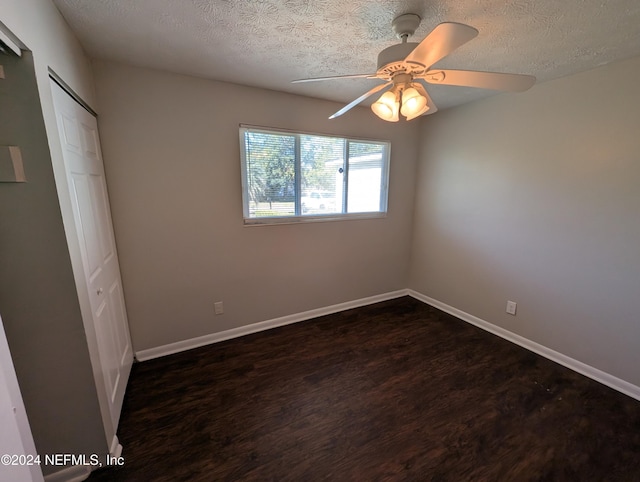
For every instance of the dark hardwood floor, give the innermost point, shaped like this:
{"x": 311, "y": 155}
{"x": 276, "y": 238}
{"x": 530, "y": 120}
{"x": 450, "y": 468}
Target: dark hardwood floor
{"x": 392, "y": 391}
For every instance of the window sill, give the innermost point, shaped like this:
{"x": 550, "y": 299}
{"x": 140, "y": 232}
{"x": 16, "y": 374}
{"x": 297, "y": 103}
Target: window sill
{"x": 311, "y": 219}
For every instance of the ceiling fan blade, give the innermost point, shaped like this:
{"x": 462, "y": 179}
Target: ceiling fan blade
{"x": 349, "y": 106}
{"x": 482, "y": 80}
{"x": 442, "y": 40}
{"x": 335, "y": 77}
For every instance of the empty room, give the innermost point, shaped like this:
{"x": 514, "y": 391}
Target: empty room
{"x": 319, "y": 240}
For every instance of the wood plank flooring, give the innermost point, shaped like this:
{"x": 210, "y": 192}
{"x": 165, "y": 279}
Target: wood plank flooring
{"x": 392, "y": 391}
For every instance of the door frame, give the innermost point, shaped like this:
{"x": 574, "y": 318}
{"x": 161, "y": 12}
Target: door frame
{"x": 15, "y": 437}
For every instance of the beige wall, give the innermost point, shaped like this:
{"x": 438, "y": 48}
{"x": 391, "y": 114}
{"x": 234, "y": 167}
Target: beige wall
{"x": 534, "y": 198}
{"x": 40, "y": 306}
{"x": 171, "y": 150}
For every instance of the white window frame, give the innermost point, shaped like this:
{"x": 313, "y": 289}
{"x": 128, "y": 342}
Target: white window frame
{"x": 304, "y": 218}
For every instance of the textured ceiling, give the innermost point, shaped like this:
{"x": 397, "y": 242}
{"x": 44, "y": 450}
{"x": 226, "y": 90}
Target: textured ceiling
{"x": 268, "y": 43}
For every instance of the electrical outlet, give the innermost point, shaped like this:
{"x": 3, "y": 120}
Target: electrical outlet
{"x": 218, "y": 307}
{"x": 511, "y": 307}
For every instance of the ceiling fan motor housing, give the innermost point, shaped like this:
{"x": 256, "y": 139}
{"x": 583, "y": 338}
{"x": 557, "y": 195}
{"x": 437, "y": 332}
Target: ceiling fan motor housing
{"x": 391, "y": 59}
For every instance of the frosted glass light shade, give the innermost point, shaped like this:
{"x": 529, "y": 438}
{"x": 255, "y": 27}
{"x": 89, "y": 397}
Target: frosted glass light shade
{"x": 386, "y": 107}
{"x": 412, "y": 102}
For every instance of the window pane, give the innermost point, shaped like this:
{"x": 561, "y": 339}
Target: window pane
{"x": 294, "y": 177}
{"x": 322, "y": 171}
{"x": 270, "y": 160}
{"x": 366, "y": 170}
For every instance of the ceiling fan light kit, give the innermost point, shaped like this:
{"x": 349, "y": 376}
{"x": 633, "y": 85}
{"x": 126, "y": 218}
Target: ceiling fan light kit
{"x": 405, "y": 66}
{"x": 405, "y": 97}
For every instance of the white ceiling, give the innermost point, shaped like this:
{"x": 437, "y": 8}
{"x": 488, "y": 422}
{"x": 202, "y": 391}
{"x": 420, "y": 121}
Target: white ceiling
{"x": 268, "y": 43}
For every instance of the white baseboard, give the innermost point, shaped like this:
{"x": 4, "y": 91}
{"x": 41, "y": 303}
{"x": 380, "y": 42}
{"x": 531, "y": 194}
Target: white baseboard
{"x": 72, "y": 473}
{"x": 77, "y": 473}
{"x": 575, "y": 365}
{"x": 564, "y": 360}
{"x": 184, "y": 345}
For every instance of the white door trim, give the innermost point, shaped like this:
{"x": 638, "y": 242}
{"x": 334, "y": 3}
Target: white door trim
{"x": 15, "y": 436}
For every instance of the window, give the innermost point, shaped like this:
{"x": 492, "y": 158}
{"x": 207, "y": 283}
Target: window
{"x": 292, "y": 177}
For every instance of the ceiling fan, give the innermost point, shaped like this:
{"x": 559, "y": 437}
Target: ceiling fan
{"x": 402, "y": 66}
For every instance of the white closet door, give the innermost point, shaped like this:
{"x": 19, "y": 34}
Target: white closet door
{"x": 85, "y": 174}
